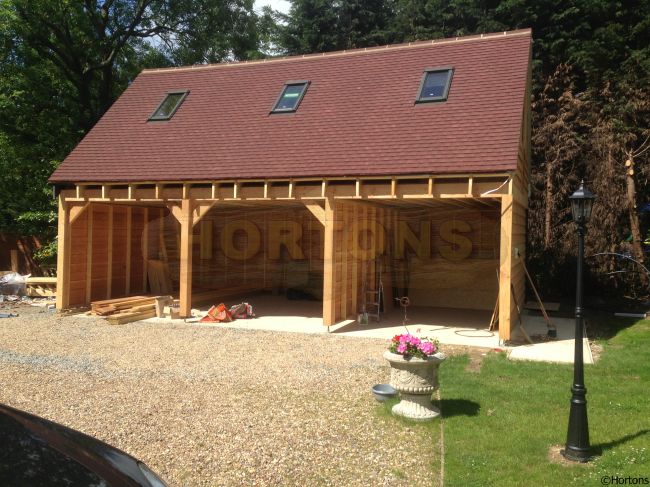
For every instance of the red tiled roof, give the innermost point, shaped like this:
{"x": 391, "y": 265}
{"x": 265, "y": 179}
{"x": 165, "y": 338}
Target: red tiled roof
{"x": 358, "y": 117}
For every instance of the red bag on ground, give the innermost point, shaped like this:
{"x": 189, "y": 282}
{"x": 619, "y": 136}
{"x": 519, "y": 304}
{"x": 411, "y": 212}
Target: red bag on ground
{"x": 217, "y": 314}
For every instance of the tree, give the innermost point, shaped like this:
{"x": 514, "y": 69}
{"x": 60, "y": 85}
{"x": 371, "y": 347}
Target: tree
{"x": 62, "y": 65}
{"x": 331, "y": 25}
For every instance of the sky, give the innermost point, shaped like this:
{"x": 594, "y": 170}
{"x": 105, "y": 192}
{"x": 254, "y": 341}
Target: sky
{"x": 281, "y": 5}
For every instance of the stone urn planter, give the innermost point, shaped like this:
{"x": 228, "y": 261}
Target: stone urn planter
{"x": 415, "y": 379}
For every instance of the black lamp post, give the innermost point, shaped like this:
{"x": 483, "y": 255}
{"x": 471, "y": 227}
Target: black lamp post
{"x": 577, "y": 442}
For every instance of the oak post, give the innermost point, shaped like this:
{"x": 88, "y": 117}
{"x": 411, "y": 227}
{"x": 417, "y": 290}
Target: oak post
{"x": 63, "y": 257}
{"x": 505, "y": 268}
{"x": 329, "y": 282}
{"x": 185, "y": 291}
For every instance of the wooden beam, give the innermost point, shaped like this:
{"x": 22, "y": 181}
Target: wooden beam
{"x": 185, "y": 291}
{"x": 175, "y": 210}
{"x": 76, "y": 210}
{"x": 329, "y": 281}
{"x": 317, "y": 210}
{"x": 399, "y": 186}
{"x": 89, "y": 256}
{"x": 200, "y": 210}
{"x": 354, "y": 298}
{"x": 506, "y": 303}
{"x": 343, "y": 243}
{"x": 63, "y": 257}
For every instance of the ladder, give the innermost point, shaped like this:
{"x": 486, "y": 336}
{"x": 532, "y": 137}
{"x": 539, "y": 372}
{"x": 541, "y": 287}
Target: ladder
{"x": 373, "y": 298}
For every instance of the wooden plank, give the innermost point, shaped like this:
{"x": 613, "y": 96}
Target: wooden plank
{"x": 200, "y": 210}
{"x": 109, "y": 261}
{"x": 159, "y": 279}
{"x": 14, "y": 260}
{"x": 143, "y": 315}
{"x": 40, "y": 286}
{"x": 129, "y": 225}
{"x": 206, "y": 239}
{"x": 354, "y": 298}
{"x": 145, "y": 249}
{"x": 46, "y": 281}
{"x": 185, "y": 290}
{"x": 343, "y": 244}
{"x": 317, "y": 210}
{"x": 89, "y": 255}
{"x": 506, "y": 303}
{"x": 76, "y": 210}
{"x": 105, "y": 302}
{"x": 329, "y": 310}
{"x": 63, "y": 257}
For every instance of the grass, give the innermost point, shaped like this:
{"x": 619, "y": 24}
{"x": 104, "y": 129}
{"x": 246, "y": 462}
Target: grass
{"x": 502, "y": 423}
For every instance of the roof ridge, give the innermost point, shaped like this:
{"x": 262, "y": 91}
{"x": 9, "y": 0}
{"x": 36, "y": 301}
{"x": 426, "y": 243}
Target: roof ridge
{"x": 348, "y": 52}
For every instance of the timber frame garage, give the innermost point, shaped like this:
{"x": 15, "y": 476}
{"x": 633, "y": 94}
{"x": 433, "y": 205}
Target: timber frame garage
{"x": 401, "y": 169}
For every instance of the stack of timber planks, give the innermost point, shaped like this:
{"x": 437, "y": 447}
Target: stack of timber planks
{"x": 40, "y": 286}
{"x": 125, "y": 310}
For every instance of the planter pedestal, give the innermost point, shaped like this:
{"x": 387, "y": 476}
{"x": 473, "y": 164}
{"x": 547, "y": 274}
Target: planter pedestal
{"x": 415, "y": 379}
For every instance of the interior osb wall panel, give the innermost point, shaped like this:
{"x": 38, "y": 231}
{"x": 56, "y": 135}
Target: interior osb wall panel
{"x": 456, "y": 264}
{"x": 274, "y": 249}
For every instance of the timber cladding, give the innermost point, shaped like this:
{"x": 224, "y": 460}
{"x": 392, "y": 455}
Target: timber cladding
{"x": 429, "y": 253}
{"x": 106, "y": 253}
{"x": 437, "y": 253}
{"x": 361, "y": 181}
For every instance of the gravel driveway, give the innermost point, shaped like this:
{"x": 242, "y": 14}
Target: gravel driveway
{"x": 214, "y": 406}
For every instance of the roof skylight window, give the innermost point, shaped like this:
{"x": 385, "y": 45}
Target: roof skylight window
{"x": 435, "y": 84}
{"x": 169, "y": 105}
{"x": 290, "y": 97}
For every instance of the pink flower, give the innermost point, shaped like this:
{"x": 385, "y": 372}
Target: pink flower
{"x": 427, "y": 348}
{"x": 401, "y": 348}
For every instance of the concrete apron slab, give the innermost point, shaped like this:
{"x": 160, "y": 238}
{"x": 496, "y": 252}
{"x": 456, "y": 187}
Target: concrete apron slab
{"x": 449, "y": 326}
{"x": 560, "y": 350}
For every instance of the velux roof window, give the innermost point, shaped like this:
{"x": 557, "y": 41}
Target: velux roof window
{"x": 290, "y": 97}
{"x": 435, "y": 84}
{"x": 169, "y": 105}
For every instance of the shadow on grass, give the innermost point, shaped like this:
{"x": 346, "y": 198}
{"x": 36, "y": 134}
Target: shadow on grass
{"x": 458, "y": 407}
{"x": 600, "y": 447}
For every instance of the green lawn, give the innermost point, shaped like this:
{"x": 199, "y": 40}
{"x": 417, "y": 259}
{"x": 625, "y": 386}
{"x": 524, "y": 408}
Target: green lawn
{"x": 501, "y": 422}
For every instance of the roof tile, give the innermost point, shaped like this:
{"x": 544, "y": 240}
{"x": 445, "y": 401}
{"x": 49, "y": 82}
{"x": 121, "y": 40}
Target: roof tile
{"x": 358, "y": 117}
